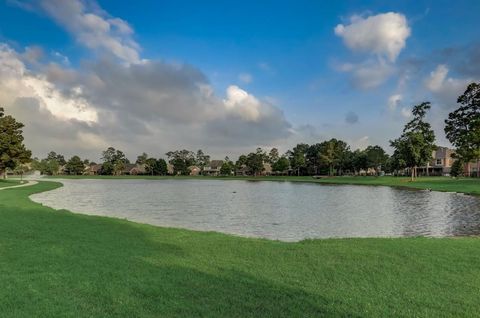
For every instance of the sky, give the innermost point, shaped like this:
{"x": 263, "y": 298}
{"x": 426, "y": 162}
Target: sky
{"x": 227, "y": 77}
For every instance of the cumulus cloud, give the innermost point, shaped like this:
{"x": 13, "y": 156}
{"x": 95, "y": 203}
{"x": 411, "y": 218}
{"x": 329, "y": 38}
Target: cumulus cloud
{"x": 94, "y": 28}
{"x": 369, "y": 74}
{"x": 445, "y": 89}
{"x": 383, "y": 34}
{"x": 152, "y": 106}
{"x": 382, "y": 37}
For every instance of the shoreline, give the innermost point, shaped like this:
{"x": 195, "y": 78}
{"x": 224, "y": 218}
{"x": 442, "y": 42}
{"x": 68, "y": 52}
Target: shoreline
{"x": 468, "y": 186}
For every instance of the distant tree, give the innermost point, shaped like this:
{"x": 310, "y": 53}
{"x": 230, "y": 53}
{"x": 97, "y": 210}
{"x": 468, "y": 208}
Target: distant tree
{"x": 181, "y": 160}
{"x": 332, "y": 153}
{"x": 52, "y": 155}
{"x": 297, "y": 157}
{"x": 377, "y": 157}
{"x": 141, "y": 159}
{"x": 457, "y": 168}
{"x": 462, "y": 127}
{"x": 255, "y": 161}
{"x": 114, "y": 161}
{"x": 273, "y": 156}
{"x": 227, "y": 167}
{"x": 281, "y": 165}
{"x": 150, "y": 164}
{"x": 48, "y": 166}
{"x": 201, "y": 159}
{"x": 416, "y": 144}
{"x": 161, "y": 167}
{"x": 12, "y": 149}
{"x": 75, "y": 166}
{"x": 359, "y": 161}
{"x": 242, "y": 160}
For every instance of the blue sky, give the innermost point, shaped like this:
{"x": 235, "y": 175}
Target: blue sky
{"x": 318, "y": 83}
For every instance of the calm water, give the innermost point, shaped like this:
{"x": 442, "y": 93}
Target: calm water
{"x": 275, "y": 210}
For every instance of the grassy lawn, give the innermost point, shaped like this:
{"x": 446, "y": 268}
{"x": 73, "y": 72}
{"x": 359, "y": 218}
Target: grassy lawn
{"x": 465, "y": 185}
{"x": 59, "y": 264}
{"x": 8, "y": 183}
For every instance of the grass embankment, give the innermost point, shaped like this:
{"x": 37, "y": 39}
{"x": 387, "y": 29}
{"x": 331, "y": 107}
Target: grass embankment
{"x": 464, "y": 185}
{"x": 59, "y": 264}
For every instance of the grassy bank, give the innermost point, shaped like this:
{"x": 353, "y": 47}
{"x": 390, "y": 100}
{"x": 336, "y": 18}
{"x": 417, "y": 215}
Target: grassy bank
{"x": 59, "y": 264}
{"x": 464, "y": 185}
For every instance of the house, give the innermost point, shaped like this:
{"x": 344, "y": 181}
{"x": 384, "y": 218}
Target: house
{"x": 194, "y": 170}
{"x": 94, "y": 169}
{"x": 170, "y": 169}
{"x": 472, "y": 168}
{"x": 440, "y": 164}
{"x": 242, "y": 171}
{"x": 267, "y": 169}
{"x": 213, "y": 168}
{"x": 134, "y": 169}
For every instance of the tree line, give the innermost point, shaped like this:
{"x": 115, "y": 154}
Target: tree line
{"x": 411, "y": 150}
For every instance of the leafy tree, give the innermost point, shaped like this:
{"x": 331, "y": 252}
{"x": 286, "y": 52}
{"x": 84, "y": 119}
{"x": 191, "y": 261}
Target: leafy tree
{"x": 462, "y": 127}
{"x": 181, "y": 160}
{"x": 296, "y": 157}
{"x": 150, "y": 164}
{"x": 142, "y": 159}
{"x": 457, "y": 168}
{"x": 161, "y": 167}
{"x": 201, "y": 159}
{"x": 332, "y": 152}
{"x": 12, "y": 149}
{"x": 376, "y": 157}
{"x": 273, "y": 156}
{"x": 281, "y": 165}
{"x": 52, "y": 155}
{"x": 416, "y": 144}
{"x": 227, "y": 167}
{"x": 114, "y": 161}
{"x": 75, "y": 166}
{"x": 255, "y": 161}
{"x": 359, "y": 161}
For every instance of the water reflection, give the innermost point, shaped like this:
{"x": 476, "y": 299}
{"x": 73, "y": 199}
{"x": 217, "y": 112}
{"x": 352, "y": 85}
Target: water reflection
{"x": 275, "y": 210}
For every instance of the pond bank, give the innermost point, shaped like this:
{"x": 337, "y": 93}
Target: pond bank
{"x": 68, "y": 264}
{"x": 445, "y": 184}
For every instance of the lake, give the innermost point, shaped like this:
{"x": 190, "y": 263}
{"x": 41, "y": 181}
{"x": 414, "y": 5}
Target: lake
{"x": 287, "y": 211}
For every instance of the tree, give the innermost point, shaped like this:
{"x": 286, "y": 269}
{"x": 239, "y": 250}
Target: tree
{"x": 255, "y": 161}
{"x": 12, "y": 149}
{"x": 142, "y": 159}
{"x": 359, "y": 161}
{"x": 52, "y": 155}
{"x": 150, "y": 164}
{"x": 181, "y": 160}
{"x": 281, "y": 165}
{"x": 227, "y": 167}
{"x": 416, "y": 144}
{"x": 376, "y": 157}
{"x": 457, "y": 168}
{"x": 201, "y": 159}
{"x": 161, "y": 167}
{"x": 75, "y": 166}
{"x": 462, "y": 127}
{"x": 273, "y": 156}
{"x": 332, "y": 153}
{"x": 297, "y": 157}
{"x": 114, "y": 161}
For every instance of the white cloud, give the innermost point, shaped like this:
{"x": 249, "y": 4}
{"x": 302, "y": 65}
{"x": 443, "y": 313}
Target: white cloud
{"x": 245, "y": 78}
{"x": 95, "y": 30}
{"x": 369, "y": 74}
{"x": 394, "y": 101}
{"x": 383, "y": 34}
{"x": 444, "y": 88}
{"x": 240, "y": 102}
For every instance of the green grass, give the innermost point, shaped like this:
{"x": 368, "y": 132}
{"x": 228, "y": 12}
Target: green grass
{"x": 8, "y": 183}
{"x": 60, "y": 264}
{"x": 464, "y": 185}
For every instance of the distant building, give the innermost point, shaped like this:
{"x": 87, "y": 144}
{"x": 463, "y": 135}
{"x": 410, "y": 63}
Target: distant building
{"x": 213, "y": 168}
{"x": 194, "y": 170}
{"x": 94, "y": 169}
{"x": 267, "y": 169}
{"x": 441, "y": 162}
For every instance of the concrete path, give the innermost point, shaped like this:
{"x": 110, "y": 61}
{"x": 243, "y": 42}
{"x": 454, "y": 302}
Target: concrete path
{"x": 27, "y": 184}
